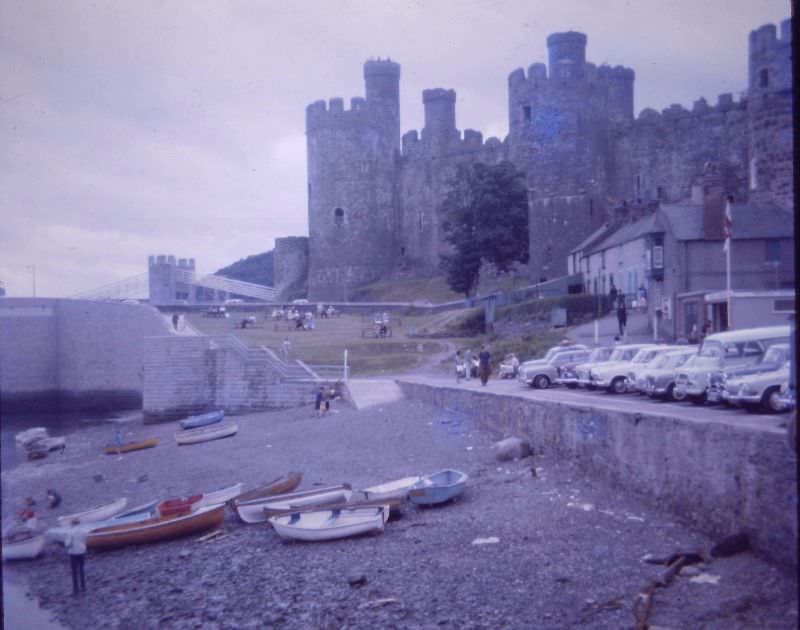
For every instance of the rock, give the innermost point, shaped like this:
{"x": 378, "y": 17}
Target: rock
{"x": 185, "y": 553}
{"x": 731, "y": 545}
{"x": 356, "y": 579}
{"x": 690, "y": 571}
{"x": 142, "y": 478}
{"x": 98, "y": 477}
{"x": 511, "y": 448}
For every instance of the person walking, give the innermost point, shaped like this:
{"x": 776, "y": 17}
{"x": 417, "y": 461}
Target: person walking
{"x": 318, "y": 401}
{"x": 460, "y": 370}
{"x": 287, "y": 348}
{"x": 327, "y": 397}
{"x": 75, "y": 544}
{"x": 622, "y": 315}
{"x": 467, "y": 363}
{"x": 484, "y": 365}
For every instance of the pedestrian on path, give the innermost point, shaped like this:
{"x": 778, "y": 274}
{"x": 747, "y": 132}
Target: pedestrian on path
{"x": 75, "y": 544}
{"x": 287, "y": 348}
{"x": 318, "y": 401}
{"x": 484, "y": 365}
{"x": 622, "y": 315}
{"x": 467, "y": 363}
{"x": 460, "y": 369}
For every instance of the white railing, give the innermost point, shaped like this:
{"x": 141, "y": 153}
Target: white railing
{"x": 133, "y": 288}
{"x": 220, "y": 283}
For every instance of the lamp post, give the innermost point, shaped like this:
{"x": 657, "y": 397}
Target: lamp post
{"x": 33, "y": 268}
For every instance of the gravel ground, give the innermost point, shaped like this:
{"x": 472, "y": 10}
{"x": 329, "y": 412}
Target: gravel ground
{"x": 569, "y": 553}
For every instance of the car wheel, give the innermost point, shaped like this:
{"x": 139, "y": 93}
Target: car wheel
{"x": 670, "y": 393}
{"x": 771, "y": 400}
{"x": 698, "y": 400}
{"x": 591, "y": 388}
{"x": 617, "y": 386}
{"x": 541, "y": 382}
{"x": 572, "y": 386}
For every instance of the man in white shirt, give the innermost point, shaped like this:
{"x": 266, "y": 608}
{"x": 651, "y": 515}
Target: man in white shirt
{"x": 75, "y": 544}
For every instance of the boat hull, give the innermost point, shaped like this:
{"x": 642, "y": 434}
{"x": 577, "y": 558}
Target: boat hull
{"x": 193, "y": 422}
{"x": 113, "y": 449}
{"x": 281, "y": 485}
{"x": 397, "y": 489}
{"x": 156, "y": 529}
{"x": 438, "y": 488}
{"x": 258, "y": 510}
{"x": 24, "y": 549}
{"x": 321, "y": 525}
{"x": 99, "y": 513}
{"x": 205, "y": 434}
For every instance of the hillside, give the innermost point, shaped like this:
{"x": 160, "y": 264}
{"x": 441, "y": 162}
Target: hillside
{"x": 258, "y": 269}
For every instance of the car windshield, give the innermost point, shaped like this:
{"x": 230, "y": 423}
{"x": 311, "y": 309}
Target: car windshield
{"x": 618, "y": 354}
{"x": 776, "y": 354}
{"x": 662, "y": 360}
{"x": 703, "y": 361}
{"x": 644, "y": 355}
{"x": 599, "y": 354}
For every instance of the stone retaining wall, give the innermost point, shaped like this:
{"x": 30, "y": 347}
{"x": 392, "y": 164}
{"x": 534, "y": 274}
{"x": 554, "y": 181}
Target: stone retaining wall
{"x": 719, "y": 478}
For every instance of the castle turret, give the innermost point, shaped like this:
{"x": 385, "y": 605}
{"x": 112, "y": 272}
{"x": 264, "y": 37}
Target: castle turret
{"x": 440, "y": 118}
{"x": 770, "y": 58}
{"x": 620, "y": 94}
{"x": 567, "y": 55}
{"x": 382, "y": 81}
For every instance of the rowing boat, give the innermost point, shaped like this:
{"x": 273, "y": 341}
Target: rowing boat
{"x": 127, "y": 447}
{"x": 439, "y": 487}
{"x": 22, "y": 545}
{"x": 330, "y": 524}
{"x": 193, "y": 422}
{"x": 393, "y": 505}
{"x": 156, "y": 529}
{"x": 281, "y": 485}
{"x": 99, "y": 513}
{"x": 258, "y": 510}
{"x": 397, "y": 489}
{"x": 204, "y": 434}
{"x": 180, "y": 506}
{"x": 134, "y": 515}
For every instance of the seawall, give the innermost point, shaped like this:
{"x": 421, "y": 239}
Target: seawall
{"x": 718, "y": 478}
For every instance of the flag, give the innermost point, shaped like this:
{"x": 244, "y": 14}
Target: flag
{"x": 727, "y": 226}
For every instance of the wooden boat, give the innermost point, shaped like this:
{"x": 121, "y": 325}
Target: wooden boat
{"x": 183, "y": 505}
{"x": 281, "y": 485}
{"x": 99, "y": 513}
{"x": 23, "y": 438}
{"x": 397, "y": 489}
{"x": 127, "y": 447}
{"x": 394, "y": 506}
{"x": 193, "y": 422}
{"x": 46, "y": 443}
{"x": 330, "y": 524}
{"x": 156, "y": 529}
{"x": 439, "y": 487}
{"x": 137, "y": 514}
{"x": 204, "y": 434}
{"x": 258, "y": 510}
{"x": 23, "y": 544}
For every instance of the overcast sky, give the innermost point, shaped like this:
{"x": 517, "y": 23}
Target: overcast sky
{"x": 144, "y": 127}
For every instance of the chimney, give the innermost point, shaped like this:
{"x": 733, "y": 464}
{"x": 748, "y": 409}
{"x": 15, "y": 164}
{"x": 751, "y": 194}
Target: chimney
{"x": 713, "y": 201}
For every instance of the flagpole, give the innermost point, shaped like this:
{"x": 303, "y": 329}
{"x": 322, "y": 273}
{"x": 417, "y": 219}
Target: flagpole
{"x": 728, "y": 244}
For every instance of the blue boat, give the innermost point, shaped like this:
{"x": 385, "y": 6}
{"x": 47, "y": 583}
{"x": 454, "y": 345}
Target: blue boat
{"x": 193, "y": 422}
{"x": 439, "y": 487}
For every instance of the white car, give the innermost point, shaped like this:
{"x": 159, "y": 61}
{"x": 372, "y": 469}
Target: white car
{"x": 541, "y": 374}
{"x": 569, "y": 374}
{"x": 636, "y": 380}
{"x": 234, "y": 301}
{"x": 758, "y": 391}
{"x": 660, "y": 374}
{"x": 613, "y": 375}
{"x": 300, "y": 301}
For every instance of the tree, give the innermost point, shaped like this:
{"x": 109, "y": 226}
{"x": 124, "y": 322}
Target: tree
{"x": 485, "y": 218}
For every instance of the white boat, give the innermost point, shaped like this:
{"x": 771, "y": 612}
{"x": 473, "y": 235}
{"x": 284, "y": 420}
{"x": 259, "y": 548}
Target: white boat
{"x": 46, "y": 443}
{"x": 22, "y": 546}
{"x": 23, "y": 438}
{"x": 397, "y": 489}
{"x": 330, "y": 524}
{"x": 223, "y": 495}
{"x": 204, "y": 434}
{"x": 258, "y": 510}
{"x": 99, "y": 513}
{"x": 139, "y": 513}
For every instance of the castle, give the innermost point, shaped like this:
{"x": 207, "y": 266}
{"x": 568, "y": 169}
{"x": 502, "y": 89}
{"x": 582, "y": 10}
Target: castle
{"x": 373, "y": 197}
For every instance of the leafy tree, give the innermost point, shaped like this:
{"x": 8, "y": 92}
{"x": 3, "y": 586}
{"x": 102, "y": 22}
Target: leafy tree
{"x": 485, "y": 218}
{"x": 257, "y": 269}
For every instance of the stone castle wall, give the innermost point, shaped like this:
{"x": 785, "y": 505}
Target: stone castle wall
{"x": 373, "y": 206}
{"x": 291, "y": 267}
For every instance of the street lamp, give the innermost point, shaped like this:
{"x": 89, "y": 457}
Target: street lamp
{"x": 33, "y": 268}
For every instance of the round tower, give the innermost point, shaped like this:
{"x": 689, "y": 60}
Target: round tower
{"x": 620, "y": 94}
{"x": 440, "y": 117}
{"x": 382, "y": 83}
{"x": 566, "y": 55}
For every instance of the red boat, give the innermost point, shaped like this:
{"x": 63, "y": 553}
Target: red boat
{"x": 178, "y": 507}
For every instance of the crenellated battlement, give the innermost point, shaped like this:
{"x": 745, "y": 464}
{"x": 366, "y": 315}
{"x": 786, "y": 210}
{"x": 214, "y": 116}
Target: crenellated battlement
{"x": 187, "y": 264}
{"x": 471, "y": 140}
{"x": 333, "y": 113}
{"x": 700, "y": 108}
{"x": 537, "y": 77}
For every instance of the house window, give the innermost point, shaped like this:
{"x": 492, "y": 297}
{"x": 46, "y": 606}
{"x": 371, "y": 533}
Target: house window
{"x": 526, "y": 113}
{"x": 783, "y": 306}
{"x": 772, "y": 250}
{"x": 753, "y": 174}
{"x": 338, "y": 217}
{"x": 658, "y": 256}
{"x": 763, "y": 78}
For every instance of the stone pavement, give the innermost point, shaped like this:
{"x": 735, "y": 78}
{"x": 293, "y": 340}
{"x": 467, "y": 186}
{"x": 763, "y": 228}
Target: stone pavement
{"x": 637, "y": 331}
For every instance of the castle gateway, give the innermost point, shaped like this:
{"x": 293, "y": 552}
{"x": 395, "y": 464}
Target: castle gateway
{"x": 373, "y": 197}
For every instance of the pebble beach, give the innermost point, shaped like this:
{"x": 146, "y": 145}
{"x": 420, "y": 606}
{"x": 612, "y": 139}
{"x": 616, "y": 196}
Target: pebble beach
{"x": 531, "y": 544}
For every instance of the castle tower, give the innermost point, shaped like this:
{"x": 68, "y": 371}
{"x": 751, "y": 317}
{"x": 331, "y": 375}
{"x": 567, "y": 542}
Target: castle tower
{"x": 161, "y": 279}
{"x": 440, "y": 118}
{"x": 351, "y": 185}
{"x": 566, "y": 56}
{"x": 770, "y": 115}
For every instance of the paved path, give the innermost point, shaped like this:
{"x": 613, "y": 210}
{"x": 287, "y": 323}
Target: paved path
{"x": 637, "y": 331}
{"x": 373, "y": 392}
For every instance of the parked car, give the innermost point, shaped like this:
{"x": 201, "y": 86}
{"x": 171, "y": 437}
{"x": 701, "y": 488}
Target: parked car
{"x": 550, "y": 354}
{"x": 724, "y": 351}
{"x": 613, "y": 375}
{"x": 216, "y": 311}
{"x": 509, "y": 368}
{"x": 541, "y": 374}
{"x": 760, "y": 390}
{"x": 568, "y": 374}
{"x": 788, "y": 396}
{"x": 234, "y": 301}
{"x": 772, "y": 359}
{"x": 660, "y": 374}
{"x": 635, "y": 381}
{"x": 619, "y": 354}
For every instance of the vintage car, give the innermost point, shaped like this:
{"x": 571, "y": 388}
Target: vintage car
{"x": 635, "y": 381}
{"x": 772, "y": 359}
{"x": 550, "y": 354}
{"x": 619, "y": 354}
{"x": 509, "y": 368}
{"x": 721, "y": 352}
{"x": 613, "y": 375}
{"x": 568, "y": 374}
{"x": 541, "y": 374}
{"x": 788, "y": 395}
{"x": 758, "y": 391}
{"x": 660, "y": 374}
